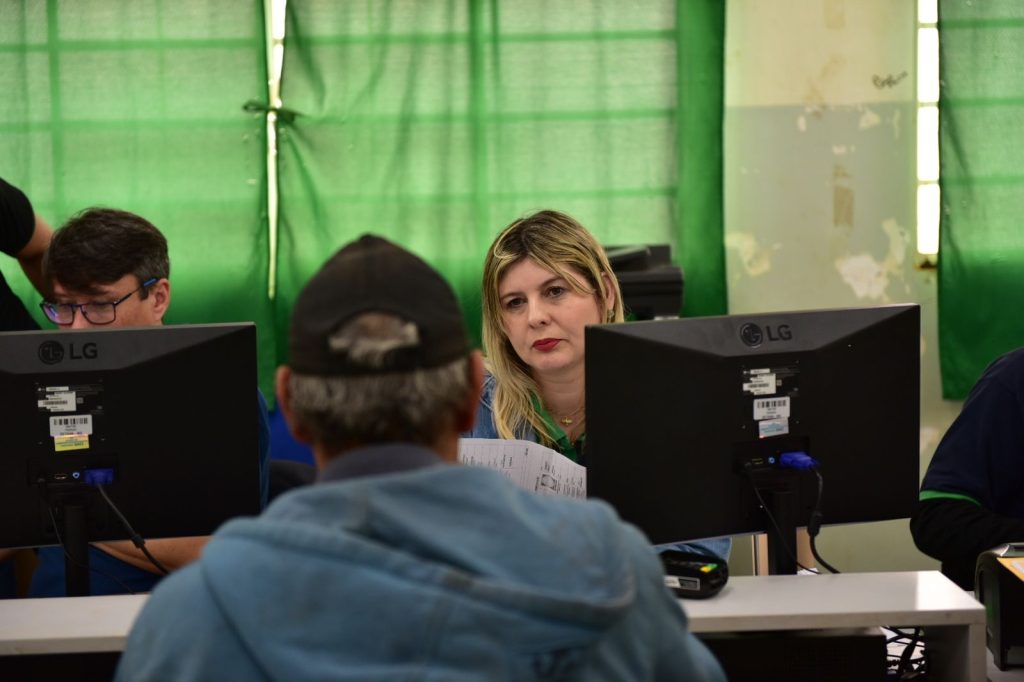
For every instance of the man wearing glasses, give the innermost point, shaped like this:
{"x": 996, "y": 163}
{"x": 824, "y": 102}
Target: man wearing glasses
{"x": 110, "y": 268}
{"x": 92, "y": 313}
{"x": 107, "y": 267}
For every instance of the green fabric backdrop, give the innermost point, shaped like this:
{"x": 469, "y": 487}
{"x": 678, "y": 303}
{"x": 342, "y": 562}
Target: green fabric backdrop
{"x": 437, "y": 123}
{"x": 138, "y": 105}
{"x": 981, "y": 264}
{"x": 432, "y": 122}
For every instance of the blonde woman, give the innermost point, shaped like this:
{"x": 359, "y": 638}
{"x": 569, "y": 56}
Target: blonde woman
{"x": 545, "y": 278}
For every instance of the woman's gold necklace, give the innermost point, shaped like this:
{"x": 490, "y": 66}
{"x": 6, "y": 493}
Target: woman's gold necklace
{"x": 568, "y": 419}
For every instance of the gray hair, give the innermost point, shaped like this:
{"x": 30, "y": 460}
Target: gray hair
{"x": 417, "y": 406}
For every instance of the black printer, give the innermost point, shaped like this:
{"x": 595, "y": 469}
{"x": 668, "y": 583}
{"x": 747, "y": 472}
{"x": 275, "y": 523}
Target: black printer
{"x": 1001, "y": 590}
{"x": 652, "y": 286}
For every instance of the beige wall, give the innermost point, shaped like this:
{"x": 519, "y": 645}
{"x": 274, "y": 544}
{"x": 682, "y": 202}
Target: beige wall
{"x": 820, "y": 187}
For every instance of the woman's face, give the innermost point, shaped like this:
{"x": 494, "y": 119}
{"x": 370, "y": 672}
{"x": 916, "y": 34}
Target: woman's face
{"x": 544, "y": 317}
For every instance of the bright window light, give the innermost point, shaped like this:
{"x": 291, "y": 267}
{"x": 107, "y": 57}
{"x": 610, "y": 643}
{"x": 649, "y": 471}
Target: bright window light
{"x": 927, "y": 11}
{"x": 928, "y": 192}
{"x": 928, "y": 65}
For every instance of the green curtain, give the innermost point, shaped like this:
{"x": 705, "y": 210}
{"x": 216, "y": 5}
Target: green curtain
{"x": 434, "y": 123}
{"x": 437, "y": 123}
{"x": 137, "y": 104}
{"x": 982, "y": 244}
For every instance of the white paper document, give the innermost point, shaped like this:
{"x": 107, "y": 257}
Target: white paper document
{"x": 528, "y": 465}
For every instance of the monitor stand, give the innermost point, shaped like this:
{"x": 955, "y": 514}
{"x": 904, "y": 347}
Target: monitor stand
{"x": 76, "y": 546}
{"x": 782, "y": 540}
{"x": 778, "y": 489}
{"x": 71, "y": 515}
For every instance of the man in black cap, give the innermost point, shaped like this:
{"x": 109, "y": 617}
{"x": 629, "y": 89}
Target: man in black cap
{"x": 398, "y": 563}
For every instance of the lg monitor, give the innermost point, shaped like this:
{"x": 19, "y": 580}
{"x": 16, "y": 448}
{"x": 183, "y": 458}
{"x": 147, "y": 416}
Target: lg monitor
{"x": 164, "y": 418}
{"x": 689, "y": 419}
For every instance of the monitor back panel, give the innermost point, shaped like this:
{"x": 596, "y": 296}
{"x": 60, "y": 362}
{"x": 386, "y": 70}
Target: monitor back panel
{"x": 678, "y": 408}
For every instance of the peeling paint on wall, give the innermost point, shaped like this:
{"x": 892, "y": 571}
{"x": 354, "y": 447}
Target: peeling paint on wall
{"x": 870, "y": 278}
{"x": 842, "y": 198}
{"x": 756, "y": 259}
{"x": 865, "y": 275}
{"x": 869, "y": 119}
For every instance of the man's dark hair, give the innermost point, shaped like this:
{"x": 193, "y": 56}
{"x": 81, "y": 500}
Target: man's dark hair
{"x": 101, "y": 245}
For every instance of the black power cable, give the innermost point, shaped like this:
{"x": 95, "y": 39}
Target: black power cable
{"x": 60, "y": 541}
{"x": 136, "y": 539}
{"x": 814, "y": 524}
{"x": 904, "y": 665}
{"x": 907, "y": 667}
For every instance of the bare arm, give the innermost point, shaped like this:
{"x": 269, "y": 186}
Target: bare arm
{"x": 31, "y": 256}
{"x": 171, "y": 552}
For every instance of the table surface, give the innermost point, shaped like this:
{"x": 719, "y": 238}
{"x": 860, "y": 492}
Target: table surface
{"x": 83, "y": 624}
{"x": 795, "y": 602}
{"x": 67, "y": 624}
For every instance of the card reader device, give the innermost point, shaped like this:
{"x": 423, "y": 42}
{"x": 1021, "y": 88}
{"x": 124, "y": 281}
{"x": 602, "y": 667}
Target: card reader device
{"x": 694, "y": 576}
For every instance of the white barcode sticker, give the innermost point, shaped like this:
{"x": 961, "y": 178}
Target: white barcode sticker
{"x": 70, "y": 425}
{"x": 760, "y": 384}
{"x": 771, "y": 408}
{"x": 58, "y": 402}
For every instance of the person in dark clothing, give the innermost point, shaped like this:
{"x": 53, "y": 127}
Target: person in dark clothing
{"x": 972, "y": 496}
{"x": 25, "y": 236}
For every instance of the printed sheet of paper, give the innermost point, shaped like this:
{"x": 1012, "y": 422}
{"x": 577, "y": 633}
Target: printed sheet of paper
{"x": 527, "y": 464}
{"x": 1015, "y": 565}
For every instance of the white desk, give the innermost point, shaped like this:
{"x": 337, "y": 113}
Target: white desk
{"x": 954, "y": 622}
{"x": 67, "y": 625}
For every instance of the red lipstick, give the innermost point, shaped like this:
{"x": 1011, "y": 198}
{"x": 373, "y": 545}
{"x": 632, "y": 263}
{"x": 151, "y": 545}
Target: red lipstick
{"x": 546, "y": 345}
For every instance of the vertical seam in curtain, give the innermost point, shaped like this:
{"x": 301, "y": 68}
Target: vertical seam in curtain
{"x": 478, "y": 104}
{"x": 271, "y": 204}
{"x": 56, "y": 115}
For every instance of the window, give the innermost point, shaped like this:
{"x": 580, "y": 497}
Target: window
{"x": 928, "y": 194}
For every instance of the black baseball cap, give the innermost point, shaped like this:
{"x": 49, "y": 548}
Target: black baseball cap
{"x": 372, "y": 274}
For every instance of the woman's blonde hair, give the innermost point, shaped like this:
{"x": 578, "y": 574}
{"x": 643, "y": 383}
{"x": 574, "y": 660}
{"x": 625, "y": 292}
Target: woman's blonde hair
{"x": 560, "y": 244}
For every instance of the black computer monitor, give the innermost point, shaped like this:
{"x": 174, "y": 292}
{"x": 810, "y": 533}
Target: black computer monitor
{"x": 686, "y": 416}
{"x": 164, "y": 417}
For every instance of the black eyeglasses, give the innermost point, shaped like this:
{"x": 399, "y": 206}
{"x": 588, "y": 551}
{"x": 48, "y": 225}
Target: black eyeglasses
{"x": 95, "y": 313}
